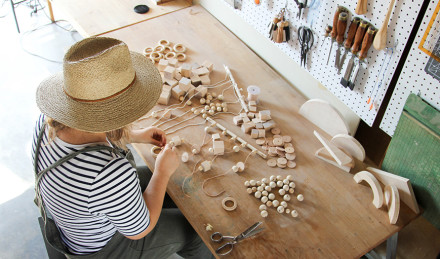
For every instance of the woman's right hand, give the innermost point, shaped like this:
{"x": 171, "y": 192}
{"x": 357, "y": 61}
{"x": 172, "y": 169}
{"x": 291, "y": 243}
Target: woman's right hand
{"x": 167, "y": 161}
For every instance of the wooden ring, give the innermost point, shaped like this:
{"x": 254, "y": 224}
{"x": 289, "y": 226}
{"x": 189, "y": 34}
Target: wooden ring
{"x": 180, "y": 57}
{"x": 152, "y": 61}
{"x": 148, "y": 50}
{"x": 231, "y": 208}
{"x": 179, "y": 48}
{"x": 164, "y": 42}
{"x": 155, "y": 150}
{"x": 156, "y": 56}
{"x": 159, "y": 48}
{"x": 170, "y": 55}
{"x": 167, "y": 49}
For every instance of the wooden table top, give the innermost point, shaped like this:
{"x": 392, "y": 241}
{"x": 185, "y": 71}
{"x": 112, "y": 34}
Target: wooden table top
{"x": 337, "y": 218}
{"x": 91, "y": 18}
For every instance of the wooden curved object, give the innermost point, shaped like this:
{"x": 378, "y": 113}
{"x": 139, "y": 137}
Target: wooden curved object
{"x": 374, "y": 184}
{"x": 392, "y": 200}
{"x": 323, "y": 115}
{"x": 349, "y": 145}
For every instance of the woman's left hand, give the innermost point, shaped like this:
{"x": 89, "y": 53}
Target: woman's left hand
{"x": 150, "y": 135}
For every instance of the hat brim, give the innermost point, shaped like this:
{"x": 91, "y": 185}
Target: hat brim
{"x": 108, "y": 114}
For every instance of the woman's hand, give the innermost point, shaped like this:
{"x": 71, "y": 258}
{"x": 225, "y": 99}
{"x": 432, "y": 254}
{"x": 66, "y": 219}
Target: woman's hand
{"x": 167, "y": 161}
{"x": 150, "y": 135}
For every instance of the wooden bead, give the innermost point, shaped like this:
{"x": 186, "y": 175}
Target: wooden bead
{"x": 234, "y": 168}
{"x": 185, "y": 157}
{"x": 280, "y": 184}
{"x": 287, "y": 211}
{"x": 286, "y": 187}
{"x": 264, "y": 213}
{"x": 300, "y": 197}
{"x": 291, "y": 190}
{"x": 265, "y": 180}
{"x": 281, "y": 192}
{"x": 249, "y": 190}
{"x": 291, "y": 164}
{"x": 275, "y": 203}
{"x": 286, "y": 197}
{"x": 284, "y": 204}
{"x": 269, "y": 203}
{"x": 240, "y": 166}
{"x": 247, "y": 184}
{"x": 264, "y": 193}
{"x": 279, "y": 178}
{"x": 285, "y": 181}
{"x": 292, "y": 185}
{"x": 257, "y": 194}
{"x": 294, "y": 213}
{"x": 264, "y": 199}
{"x": 253, "y": 182}
{"x": 289, "y": 177}
{"x": 263, "y": 207}
{"x": 236, "y": 148}
{"x": 280, "y": 209}
{"x": 202, "y": 100}
{"x": 272, "y": 178}
{"x": 272, "y": 185}
{"x": 271, "y": 162}
{"x": 260, "y": 188}
{"x": 271, "y": 196}
{"x": 268, "y": 188}
{"x": 254, "y": 189}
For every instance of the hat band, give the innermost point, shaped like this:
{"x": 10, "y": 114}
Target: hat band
{"x": 105, "y": 98}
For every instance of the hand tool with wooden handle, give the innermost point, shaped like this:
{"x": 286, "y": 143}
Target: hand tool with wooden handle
{"x": 366, "y": 44}
{"x": 354, "y": 50}
{"x": 361, "y": 7}
{"x": 334, "y": 31}
{"x": 342, "y": 25}
{"x": 349, "y": 41}
{"x": 328, "y": 29}
{"x": 380, "y": 41}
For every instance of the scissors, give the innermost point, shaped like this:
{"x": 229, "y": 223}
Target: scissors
{"x": 227, "y": 247}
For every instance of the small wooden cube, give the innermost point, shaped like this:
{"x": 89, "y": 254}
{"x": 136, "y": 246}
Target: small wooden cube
{"x": 205, "y": 80}
{"x": 251, "y": 115}
{"x": 201, "y": 91}
{"x": 195, "y": 80}
{"x": 177, "y": 76}
{"x": 163, "y": 63}
{"x": 261, "y": 133}
{"x": 206, "y": 165}
{"x": 191, "y": 91}
{"x": 252, "y": 108}
{"x": 269, "y": 124}
{"x": 172, "y": 62}
{"x": 215, "y": 136}
{"x": 195, "y": 66}
{"x": 164, "y": 97}
{"x": 185, "y": 84}
{"x": 264, "y": 115}
{"x": 246, "y": 119}
{"x": 252, "y": 103}
{"x": 259, "y": 125}
{"x": 168, "y": 72}
{"x": 219, "y": 147}
{"x": 238, "y": 120}
{"x": 166, "y": 87}
{"x": 247, "y": 126}
{"x": 176, "y": 92}
{"x": 208, "y": 65}
{"x": 254, "y": 133}
{"x": 185, "y": 70}
{"x": 201, "y": 71}
{"x": 171, "y": 82}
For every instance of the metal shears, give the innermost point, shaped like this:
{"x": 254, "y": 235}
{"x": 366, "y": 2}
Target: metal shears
{"x": 227, "y": 247}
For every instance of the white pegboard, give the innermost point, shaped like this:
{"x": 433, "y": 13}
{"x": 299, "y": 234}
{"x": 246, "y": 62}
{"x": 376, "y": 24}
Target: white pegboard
{"x": 317, "y": 17}
{"x": 413, "y": 79}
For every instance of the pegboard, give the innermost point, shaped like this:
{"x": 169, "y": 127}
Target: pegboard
{"x": 413, "y": 78}
{"x": 316, "y": 17}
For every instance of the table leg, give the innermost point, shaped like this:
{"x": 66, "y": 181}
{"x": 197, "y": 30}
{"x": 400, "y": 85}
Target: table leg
{"x": 392, "y": 246}
{"x": 49, "y": 4}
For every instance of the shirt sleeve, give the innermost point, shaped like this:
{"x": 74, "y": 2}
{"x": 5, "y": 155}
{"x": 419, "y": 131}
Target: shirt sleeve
{"x": 116, "y": 193}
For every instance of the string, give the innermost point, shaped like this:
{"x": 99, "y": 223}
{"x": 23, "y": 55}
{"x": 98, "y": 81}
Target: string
{"x": 205, "y": 181}
{"x": 186, "y": 177}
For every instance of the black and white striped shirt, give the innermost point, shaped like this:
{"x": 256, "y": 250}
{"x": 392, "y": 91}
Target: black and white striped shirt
{"x": 91, "y": 196}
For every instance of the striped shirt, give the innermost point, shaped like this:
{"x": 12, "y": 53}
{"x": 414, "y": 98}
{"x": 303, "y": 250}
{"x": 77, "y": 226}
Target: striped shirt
{"x": 90, "y": 196}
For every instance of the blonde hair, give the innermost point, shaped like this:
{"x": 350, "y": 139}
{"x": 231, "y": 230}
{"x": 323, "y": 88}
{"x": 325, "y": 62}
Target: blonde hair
{"x": 117, "y": 136}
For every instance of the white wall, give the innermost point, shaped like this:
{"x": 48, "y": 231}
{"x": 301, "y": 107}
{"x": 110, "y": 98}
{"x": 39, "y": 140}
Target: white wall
{"x": 280, "y": 62}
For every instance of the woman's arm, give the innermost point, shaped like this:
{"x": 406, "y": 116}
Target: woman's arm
{"x": 150, "y": 135}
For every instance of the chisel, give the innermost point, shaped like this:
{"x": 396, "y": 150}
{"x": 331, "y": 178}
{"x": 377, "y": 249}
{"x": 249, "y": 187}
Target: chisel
{"x": 342, "y": 25}
{"x": 354, "y": 50}
{"x": 366, "y": 44}
{"x": 334, "y": 32}
{"x": 328, "y": 29}
{"x": 349, "y": 41}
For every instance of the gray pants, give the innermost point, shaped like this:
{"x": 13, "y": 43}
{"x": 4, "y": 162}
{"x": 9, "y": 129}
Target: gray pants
{"x": 172, "y": 234}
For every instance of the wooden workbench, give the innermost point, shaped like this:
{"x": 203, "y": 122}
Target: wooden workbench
{"x": 337, "y": 218}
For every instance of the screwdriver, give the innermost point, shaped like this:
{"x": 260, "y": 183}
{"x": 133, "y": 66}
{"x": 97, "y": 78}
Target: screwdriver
{"x": 334, "y": 29}
{"x": 342, "y": 25}
{"x": 354, "y": 50}
{"x": 366, "y": 44}
{"x": 349, "y": 41}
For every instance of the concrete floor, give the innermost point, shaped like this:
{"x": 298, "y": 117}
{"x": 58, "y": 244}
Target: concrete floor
{"x": 20, "y": 73}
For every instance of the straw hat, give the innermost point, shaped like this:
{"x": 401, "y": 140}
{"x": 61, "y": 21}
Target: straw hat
{"x": 103, "y": 86}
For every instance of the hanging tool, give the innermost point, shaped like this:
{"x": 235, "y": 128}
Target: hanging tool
{"x": 227, "y": 247}
{"x": 306, "y": 39}
{"x": 334, "y": 31}
{"x": 301, "y": 5}
{"x": 380, "y": 41}
{"x": 328, "y": 29}
{"x": 342, "y": 25}
{"x": 366, "y": 44}
{"x": 349, "y": 41}
{"x": 361, "y": 7}
{"x": 354, "y": 50}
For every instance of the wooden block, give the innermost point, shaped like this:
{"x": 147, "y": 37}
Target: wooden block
{"x": 171, "y": 82}
{"x": 252, "y": 108}
{"x": 191, "y": 91}
{"x": 261, "y": 133}
{"x": 172, "y": 62}
{"x": 403, "y": 185}
{"x": 215, "y": 136}
{"x": 254, "y": 133}
{"x": 244, "y": 115}
{"x": 163, "y": 63}
{"x": 201, "y": 71}
{"x": 247, "y": 126}
{"x": 392, "y": 200}
{"x": 208, "y": 65}
{"x": 374, "y": 185}
{"x": 164, "y": 97}
{"x": 185, "y": 84}
{"x": 323, "y": 154}
{"x": 259, "y": 125}
{"x": 269, "y": 125}
{"x": 168, "y": 72}
{"x": 195, "y": 80}
{"x": 177, "y": 76}
{"x": 238, "y": 120}
{"x": 166, "y": 87}
{"x": 246, "y": 119}
{"x": 205, "y": 80}
{"x": 219, "y": 147}
{"x": 206, "y": 165}
{"x": 323, "y": 115}
{"x": 349, "y": 145}
{"x": 340, "y": 157}
{"x": 176, "y": 92}
{"x": 264, "y": 115}
{"x": 252, "y": 103}
{"x": 251, "y": 115}
{"x": 185, "y": 70}
{"x": 195, "y": 65}
{"x": 201, "y": 91}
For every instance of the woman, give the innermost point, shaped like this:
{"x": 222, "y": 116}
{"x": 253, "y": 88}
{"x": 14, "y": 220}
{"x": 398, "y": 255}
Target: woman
{"x": 101, "y": 206}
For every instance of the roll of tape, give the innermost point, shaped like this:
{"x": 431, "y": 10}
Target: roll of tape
{"x": 179, "y": 48}
{"x": 164, "y": 42}
{"x": 229, "y": 208}
{"x": 253, "y": 92}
